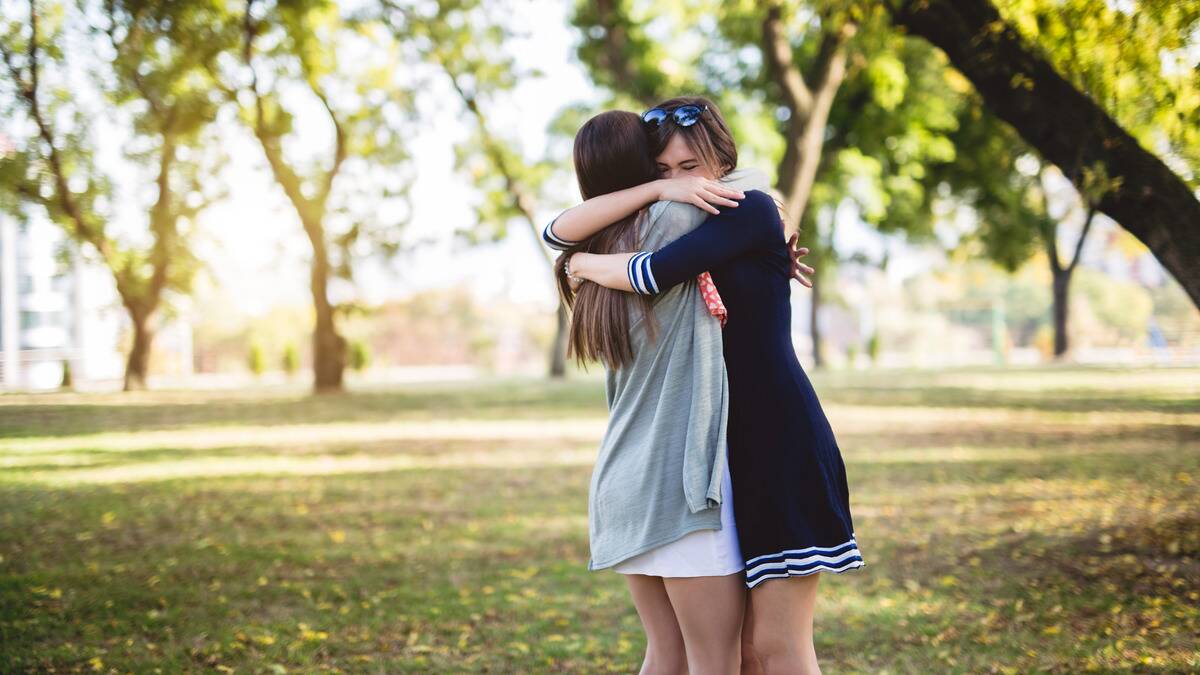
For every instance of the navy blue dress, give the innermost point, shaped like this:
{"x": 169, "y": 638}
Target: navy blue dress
{"x": 792, "y": 503}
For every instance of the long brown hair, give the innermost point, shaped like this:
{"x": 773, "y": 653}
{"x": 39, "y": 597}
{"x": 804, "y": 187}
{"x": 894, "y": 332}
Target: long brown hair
{"x": 611, "y": 153}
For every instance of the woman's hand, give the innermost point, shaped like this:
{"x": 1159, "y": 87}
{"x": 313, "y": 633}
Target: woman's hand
{"x": 698, "y": 191}
{"x": 573, "y": 282}
{"x": 796, "y": 254}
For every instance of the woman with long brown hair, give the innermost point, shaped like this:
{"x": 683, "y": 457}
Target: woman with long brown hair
{"x": 660, "y": 508}
{"x": 792, "y": 499}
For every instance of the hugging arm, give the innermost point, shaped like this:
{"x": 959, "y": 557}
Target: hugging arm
{"x": 720, "y": 238}
{"x": 584, "y": 220}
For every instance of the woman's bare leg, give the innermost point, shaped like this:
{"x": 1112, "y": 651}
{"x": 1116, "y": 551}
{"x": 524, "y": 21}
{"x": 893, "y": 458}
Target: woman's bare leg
{"x": 710, "y": 611}
{"x": 783, "y": 624}
{"x": 665, "y": 654}
{"x": 751, "y": 665}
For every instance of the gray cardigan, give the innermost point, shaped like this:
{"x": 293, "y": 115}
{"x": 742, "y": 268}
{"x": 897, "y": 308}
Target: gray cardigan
{"x": 659, "y": 471}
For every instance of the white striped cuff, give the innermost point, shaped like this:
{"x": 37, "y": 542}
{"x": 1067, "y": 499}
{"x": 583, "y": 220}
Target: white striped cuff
{"x": 554, "y": 241}
{"x": 640, "y": 275}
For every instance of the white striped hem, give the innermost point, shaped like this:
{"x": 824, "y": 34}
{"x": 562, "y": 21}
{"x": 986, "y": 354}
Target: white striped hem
{"x": 819, "y": 568}
{"x": 555, "y": 241}
{"x": 804, "y": 561}
{"x": 802, "y": 550}
{"x": 790, "y": 562}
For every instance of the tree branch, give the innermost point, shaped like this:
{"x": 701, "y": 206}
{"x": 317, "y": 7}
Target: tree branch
{"x": 85, "y": 230}
{"x": 521, "y": 198}
{"x": 268, "y": 139}
{"x": 781, "y": 64}
{"x": 339, "y": 153}
{"x": 1066, "y": 125}
{"x": 1087, "y": 225}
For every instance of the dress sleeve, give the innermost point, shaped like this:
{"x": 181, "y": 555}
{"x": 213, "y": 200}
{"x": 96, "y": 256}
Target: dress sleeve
{"x": 753, "y": 224}
{"x": 553, "y": 240}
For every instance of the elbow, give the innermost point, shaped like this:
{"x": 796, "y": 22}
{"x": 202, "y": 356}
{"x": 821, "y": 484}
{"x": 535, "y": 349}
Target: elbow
{"x": 554, "y": 241}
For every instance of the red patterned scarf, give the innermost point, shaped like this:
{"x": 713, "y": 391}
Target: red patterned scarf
{"x": 712, "y": 298}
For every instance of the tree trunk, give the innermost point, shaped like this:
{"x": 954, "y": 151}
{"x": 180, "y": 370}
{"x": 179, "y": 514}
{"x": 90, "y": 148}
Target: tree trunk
{"x": 808, "y": 100}
{"x": 329, "y": 347}
{"x": 137, "y": 366}
{"x": 1062, "y": 282}
{"x": 1066, "y": 125}
{"x": 558, "y": 350}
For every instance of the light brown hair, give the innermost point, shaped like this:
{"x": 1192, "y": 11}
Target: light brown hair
{"x": 710, "y": 138}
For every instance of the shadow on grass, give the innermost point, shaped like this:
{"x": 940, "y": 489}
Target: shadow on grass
{"x": 1059, "y": 400}
{"x": 68, "y": 415}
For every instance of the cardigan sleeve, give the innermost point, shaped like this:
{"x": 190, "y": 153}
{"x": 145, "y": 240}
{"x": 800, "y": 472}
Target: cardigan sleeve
{"x": 753, "y": 224}
{"x": 553, "y": 240}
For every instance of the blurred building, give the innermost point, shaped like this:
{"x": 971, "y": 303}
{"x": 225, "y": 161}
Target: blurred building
{"x": 57, "y": 311}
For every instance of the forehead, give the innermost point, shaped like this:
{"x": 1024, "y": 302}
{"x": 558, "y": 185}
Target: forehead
{"x": 677, "y": 151}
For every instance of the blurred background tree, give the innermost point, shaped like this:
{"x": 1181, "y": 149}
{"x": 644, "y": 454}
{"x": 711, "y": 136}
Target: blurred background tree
{"x": 467, "y": 42}
{"x": 350, "y": 68}
{"x": 1091, "y": 86}
{"x": 826, "y": 95}
{"x": 874, "y": 120}
{"x": 151, "y": 69}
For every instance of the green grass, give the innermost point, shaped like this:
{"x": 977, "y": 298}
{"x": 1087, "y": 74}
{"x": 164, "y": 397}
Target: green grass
{"x": 1012, "y": 521}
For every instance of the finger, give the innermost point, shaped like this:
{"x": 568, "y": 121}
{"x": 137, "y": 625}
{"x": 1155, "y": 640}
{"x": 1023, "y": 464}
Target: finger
{"x": 716, "y": 199}
{"x": 725, "y": 191}
{"x": 793, "y": 239}
{"x": 705, "y": 205}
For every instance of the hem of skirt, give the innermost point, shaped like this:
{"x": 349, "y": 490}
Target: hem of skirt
{"x": 856, "y": 565}
{"x": 804, "y": 561}
{"x": 736, "y": 570}
{"x": 613, "y": 562}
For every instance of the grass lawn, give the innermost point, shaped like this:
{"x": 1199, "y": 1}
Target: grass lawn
{"x": 1012, "y": 521}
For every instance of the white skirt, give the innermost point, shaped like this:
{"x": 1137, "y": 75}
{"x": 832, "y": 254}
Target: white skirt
{"x": 702, "y": 553}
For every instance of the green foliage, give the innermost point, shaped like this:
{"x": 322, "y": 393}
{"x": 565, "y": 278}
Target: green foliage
{"x": 873, "y": 346}
{"x": 255, "y": 359}
{"x": 148, "y": 64}
{"x": 1135, "y": 59}
{"x": 291, "y": 359}
{"x": 68, "y": 380}
{"x": 621, "y": 55}
{"x": 1127, "y": 62}
{"x": 983, "y": 175}
{"x": 886, "y": 127}
{"x": 351, "y": 192}
{"x": 890, "y": 117}
{"x": 360, "y": 356}
{"x": 469, "y": 44}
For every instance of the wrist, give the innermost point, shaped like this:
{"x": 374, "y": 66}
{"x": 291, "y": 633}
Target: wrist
{"x": 656, "y": 190}
{"x": 570, "y": 266}
{"x": 577, "y": 266}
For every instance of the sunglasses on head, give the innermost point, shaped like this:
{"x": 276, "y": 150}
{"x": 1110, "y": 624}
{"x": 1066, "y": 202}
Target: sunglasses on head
{"x": 684, "y": 115}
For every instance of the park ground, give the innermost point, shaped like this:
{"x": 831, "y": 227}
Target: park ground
{"x": 1012, "y": 521}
